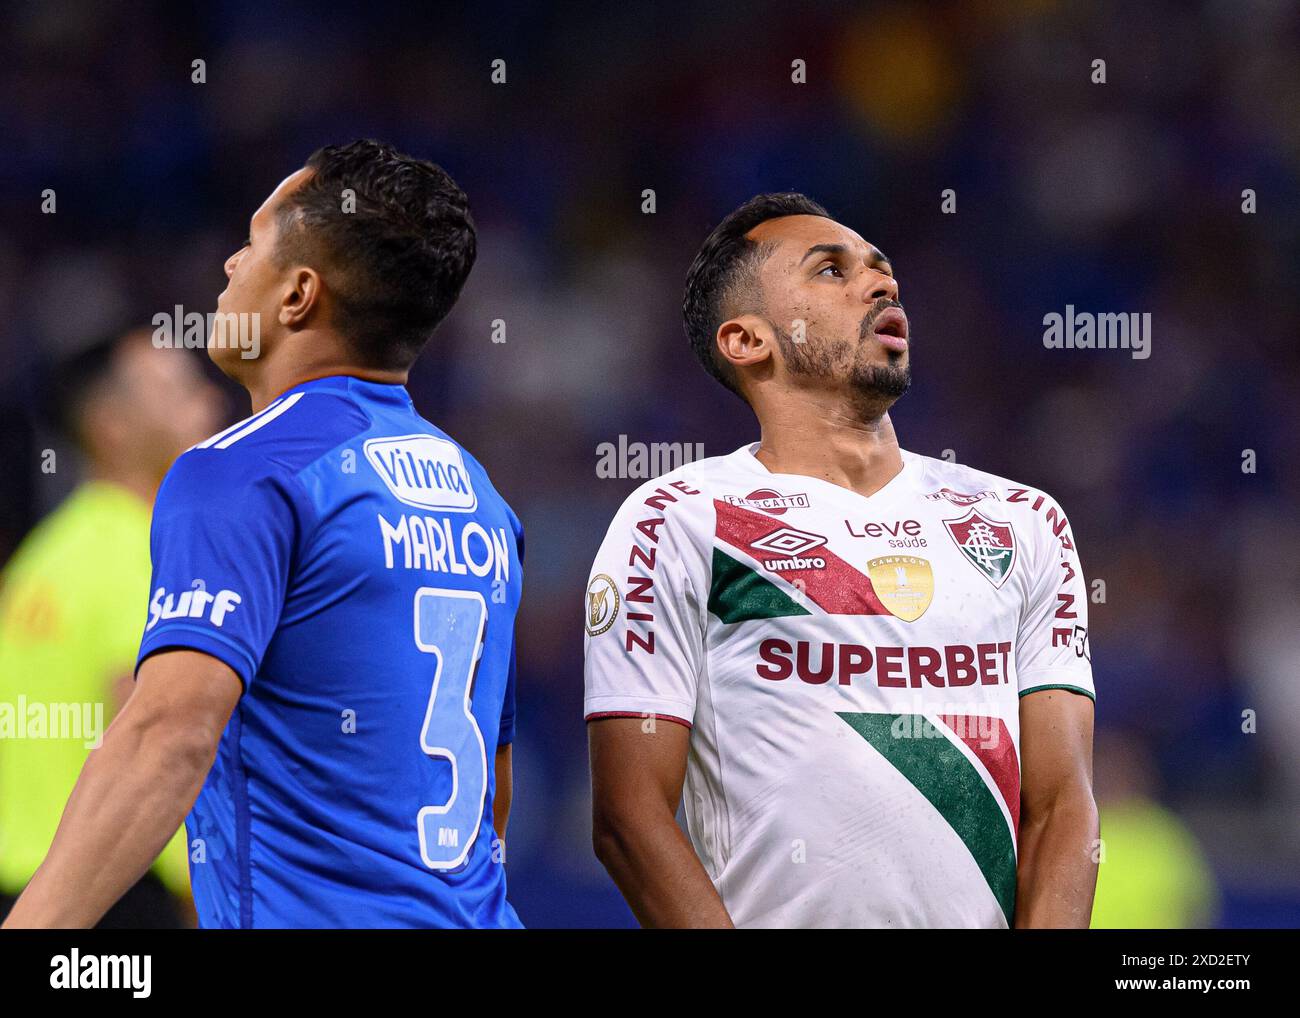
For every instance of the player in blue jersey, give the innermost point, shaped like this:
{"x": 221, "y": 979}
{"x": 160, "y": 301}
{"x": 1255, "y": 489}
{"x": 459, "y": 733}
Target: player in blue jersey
{"x": 327, "y": 669}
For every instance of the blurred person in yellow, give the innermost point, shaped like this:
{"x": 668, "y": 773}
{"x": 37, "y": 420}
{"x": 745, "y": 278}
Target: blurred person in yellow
{"x": 1153, "y": 874}
{"x": 71, "y": 602}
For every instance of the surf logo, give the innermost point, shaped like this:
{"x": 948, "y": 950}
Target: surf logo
{"x": 194, "y": 603}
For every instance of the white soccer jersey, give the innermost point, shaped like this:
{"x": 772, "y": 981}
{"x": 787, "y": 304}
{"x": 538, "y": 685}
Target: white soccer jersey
{"x": 850, "y": 668}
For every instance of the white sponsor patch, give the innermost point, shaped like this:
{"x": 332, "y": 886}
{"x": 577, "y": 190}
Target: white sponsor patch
{"x": 423, "y": 471}
{"x": 194, "y": 603}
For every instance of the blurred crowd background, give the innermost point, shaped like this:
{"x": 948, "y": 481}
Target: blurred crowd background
{"x": 1125, "y": 196}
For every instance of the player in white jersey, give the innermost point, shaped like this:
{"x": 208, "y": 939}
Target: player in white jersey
{"x": 865, "y": 672}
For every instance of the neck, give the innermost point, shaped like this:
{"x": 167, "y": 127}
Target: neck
{"x": 141, "y": 482}
{"x": 277, "y": 375}
{"x": 825, "y": 439}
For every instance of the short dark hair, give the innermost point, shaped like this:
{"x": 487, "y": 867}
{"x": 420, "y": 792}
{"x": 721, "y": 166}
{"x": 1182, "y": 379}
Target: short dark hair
{"x": 81, "y": 376}
{"x": 397, "y": 261}
{"x": 721, "y": 278}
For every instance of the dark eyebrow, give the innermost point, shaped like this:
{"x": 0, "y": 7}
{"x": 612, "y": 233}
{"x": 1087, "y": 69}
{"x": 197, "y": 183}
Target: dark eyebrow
{"x": 835, "y": 249}
{"x": 877, "y": 256}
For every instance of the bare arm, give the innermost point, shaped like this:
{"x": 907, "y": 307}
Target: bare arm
{"x": 505, "y": 791}
{"x": 134, "y": 791}
{"x": 636, "y": 782}
{"x": 1058, "y": 817}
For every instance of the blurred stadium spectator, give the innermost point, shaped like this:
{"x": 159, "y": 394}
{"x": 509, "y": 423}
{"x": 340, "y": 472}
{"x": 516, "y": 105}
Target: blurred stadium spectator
{"x": 72, "y": 597}
{"x": 1152, "y": 873}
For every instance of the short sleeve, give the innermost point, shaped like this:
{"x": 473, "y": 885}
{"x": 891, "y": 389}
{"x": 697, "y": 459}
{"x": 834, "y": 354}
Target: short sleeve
{"x": 507, "y": 732}
{"x": 517, "y": 528}
{"x": 221, "y": 544}
{"x": 644, "y": 631}
{"x": 1052, "y": 650}
{"x": 506, "y": 735}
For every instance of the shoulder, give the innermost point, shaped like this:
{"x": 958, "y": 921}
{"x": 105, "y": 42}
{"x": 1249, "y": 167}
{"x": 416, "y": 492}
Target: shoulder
{"x": 676, "y": 513}
{"x": 1026, "y": 507}
{"x": 285, "y": 437}
{"x": 484, "y": 489}
{"x": 685, "y": 495}
{"x": 292, "y": 431}
{"x": 441, "y": 454}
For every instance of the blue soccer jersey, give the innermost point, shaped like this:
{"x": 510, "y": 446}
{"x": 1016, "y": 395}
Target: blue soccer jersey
{"x": 360, "y": 574}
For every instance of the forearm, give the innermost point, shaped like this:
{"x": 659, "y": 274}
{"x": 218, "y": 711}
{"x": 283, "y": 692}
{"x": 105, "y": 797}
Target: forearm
{"x": 655, "y": 867}
{"x": 501, "y": 814}
{"x": 505, "y": 791}
{"x": 1057, "y": 873}
{"x": 131, "y": 797}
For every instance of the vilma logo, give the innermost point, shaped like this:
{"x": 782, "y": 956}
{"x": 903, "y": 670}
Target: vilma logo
{"x": 988, "y": 545}
{"x": 424, "y": 471}
{"x": 602, "y": 604}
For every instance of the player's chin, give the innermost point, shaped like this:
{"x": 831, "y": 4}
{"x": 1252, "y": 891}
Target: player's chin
{"x": 883, "y": 379}
{"x": 222, "y": 354}
{"x": 882, "y": 360}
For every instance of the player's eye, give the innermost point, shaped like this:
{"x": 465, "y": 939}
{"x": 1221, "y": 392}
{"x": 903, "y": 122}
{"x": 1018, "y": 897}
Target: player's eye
{"x": 248, "y": 242}
{"x": 832, "y": 267}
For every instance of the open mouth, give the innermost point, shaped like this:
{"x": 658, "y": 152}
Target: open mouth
{"x": 890, "y": 327}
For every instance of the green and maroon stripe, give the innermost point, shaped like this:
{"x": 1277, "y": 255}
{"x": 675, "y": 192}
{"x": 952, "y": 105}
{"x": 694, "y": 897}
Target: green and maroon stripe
{"x": 998, "y": 758}
{"x": 737, "y": 593}
{"x": 837, "y": 588}
{"x": 943, "y": 774}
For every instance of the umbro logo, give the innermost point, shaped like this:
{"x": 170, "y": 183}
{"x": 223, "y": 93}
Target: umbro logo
{"x": 788, "y": 541}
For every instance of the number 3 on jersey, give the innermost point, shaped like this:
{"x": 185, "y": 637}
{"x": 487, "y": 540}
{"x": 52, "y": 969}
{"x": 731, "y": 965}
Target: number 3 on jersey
{"x": 449, "y": 624}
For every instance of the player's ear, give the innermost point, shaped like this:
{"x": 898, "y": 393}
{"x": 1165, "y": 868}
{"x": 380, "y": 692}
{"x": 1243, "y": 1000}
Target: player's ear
{"x": 745, "y": 341}
{"x": 301, "y": 297}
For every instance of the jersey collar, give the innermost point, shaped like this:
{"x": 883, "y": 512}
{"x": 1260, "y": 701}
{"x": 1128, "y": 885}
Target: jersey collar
{"x": 391, "y": 392}
{"x": 899, "y": 482}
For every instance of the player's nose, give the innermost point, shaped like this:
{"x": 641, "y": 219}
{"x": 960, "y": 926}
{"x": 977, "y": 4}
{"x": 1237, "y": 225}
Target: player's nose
{"x": 231, "y": 262}
{"x": 880, "y": 285}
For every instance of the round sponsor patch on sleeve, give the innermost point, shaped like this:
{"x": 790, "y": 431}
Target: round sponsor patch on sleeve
{"x": 602, "y": 604}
